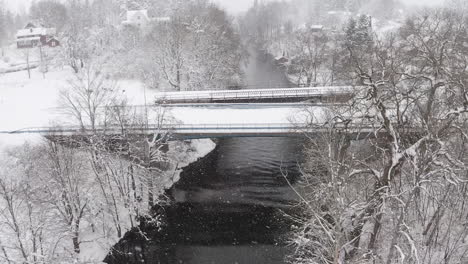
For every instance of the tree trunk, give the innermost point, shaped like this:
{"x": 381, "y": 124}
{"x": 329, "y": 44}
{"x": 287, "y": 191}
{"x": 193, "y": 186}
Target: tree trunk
{"x": 27, "y": 63}
{"x": 76, "y": 237}
{"x": 375, "y": 232}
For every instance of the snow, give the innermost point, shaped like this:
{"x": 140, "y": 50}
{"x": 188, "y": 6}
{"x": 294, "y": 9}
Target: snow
{"x": 198, "y": 148}
{"x": 26, "y": 102}
{"x": 35, "y": 31}
{"x": 34, "y": 102}
{"x": 388, "y": 27}
{"x": 3, "y": 66}
{"x": 226, "y": 116}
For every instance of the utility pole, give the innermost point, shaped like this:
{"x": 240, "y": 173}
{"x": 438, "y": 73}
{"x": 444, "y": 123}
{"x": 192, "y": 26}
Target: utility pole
{"x": 146, "y": 107}
{"x": 43, "y": 66}
{"x": 27, "y": 63}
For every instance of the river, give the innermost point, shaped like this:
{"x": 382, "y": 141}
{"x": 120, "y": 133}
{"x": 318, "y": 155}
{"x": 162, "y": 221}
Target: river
{"x": 228, "y": 207}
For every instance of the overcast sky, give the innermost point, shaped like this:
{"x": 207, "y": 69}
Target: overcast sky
{"x": 233, "y": 6}
{"x": 236, "y": 6}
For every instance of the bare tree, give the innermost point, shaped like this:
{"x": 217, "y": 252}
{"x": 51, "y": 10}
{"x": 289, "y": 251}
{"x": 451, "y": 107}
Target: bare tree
{"x": 88, "y": 95}
{"x": 312, "y": 49}
{"x": 68, "y": 188}
{"x": 197, "y": 49}
{"x": 411, "y": 117}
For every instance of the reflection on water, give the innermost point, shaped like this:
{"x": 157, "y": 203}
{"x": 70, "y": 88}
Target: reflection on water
{"x": 245, "y": 171}
{"x": 226, "y": 207}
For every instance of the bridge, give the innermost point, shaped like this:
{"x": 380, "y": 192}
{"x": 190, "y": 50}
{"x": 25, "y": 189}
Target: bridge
{"x": 214, "y": 114}
{"x": 198, "y": 131}
{"x": 317, "y": 94}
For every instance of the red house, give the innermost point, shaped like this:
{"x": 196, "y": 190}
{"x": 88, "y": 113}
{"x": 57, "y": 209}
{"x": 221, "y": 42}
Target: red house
{"x": 34, "y": 35}
{"x": 53, "y": 42}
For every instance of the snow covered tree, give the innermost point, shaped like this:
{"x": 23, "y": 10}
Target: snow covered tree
{"x": 76, "y": 51}
{"x": 105, "y": 12}
{"x": 51, "y": 13}
{"x": 387, "y": 189}
{"x": 37, "y": 209}
{"x": 7, "y": 27}
{"x": 3, "y": 29}
{"x": 89, "y": 92}
{"x": 197, "y": 48}
{"x": 311, "y": 50}
{"x": 355, "y": 5}
{"x": 69, "y": 188}
{"x": 171, "y": 40}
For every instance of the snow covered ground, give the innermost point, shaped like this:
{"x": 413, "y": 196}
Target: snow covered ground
{"x": 35, "y": 102}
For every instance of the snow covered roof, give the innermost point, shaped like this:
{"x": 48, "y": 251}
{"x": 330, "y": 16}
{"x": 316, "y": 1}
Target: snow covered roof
{"x": 316, "y": 27}
{"x": 34, "y": 24}
{"x": 42, "y": 31}
{"x": 161, "y": 19}
{"x": 334, "y": 12}
{"x": 28, "y": 39}
{"x": 30, "y": 31}
{"x": 302, "y": 26}
{"x": 137, "y": 16}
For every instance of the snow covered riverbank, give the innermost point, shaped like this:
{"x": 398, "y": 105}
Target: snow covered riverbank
{"x": 35, "y": 102}
{"x": 183, "y": 153}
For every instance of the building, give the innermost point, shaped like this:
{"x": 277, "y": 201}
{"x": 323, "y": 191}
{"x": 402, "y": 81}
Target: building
{"x": 34, "y": 35}
{"x": 316, "y": 28}
{"x": 53, "y": 42}
{"x": 140, "y": 19}
{"x": 137, "y": 18}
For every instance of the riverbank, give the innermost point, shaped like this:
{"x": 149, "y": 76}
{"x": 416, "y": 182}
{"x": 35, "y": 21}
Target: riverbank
{"x": 182, "y": 154}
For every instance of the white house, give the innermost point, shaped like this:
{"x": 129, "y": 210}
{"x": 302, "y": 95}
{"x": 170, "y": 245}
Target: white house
{"x": 140, "y": 19}
{"x": 137, "y": 18}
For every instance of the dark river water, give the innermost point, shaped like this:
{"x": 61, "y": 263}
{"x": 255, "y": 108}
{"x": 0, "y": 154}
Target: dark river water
{"x": 229, "y": 207}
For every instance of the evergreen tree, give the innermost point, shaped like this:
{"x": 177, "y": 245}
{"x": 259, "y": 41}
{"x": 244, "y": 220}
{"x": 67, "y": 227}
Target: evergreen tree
{"x": 358, "y": 32}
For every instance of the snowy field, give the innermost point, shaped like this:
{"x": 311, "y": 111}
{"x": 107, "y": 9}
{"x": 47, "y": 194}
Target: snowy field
{"x": 35, "y": 102}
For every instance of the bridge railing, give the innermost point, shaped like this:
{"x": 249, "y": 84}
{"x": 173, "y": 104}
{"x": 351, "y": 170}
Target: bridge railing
{"x": 154, "y": 127}
{"x": 253, "y": 94}
{"x": 195, "y": 128}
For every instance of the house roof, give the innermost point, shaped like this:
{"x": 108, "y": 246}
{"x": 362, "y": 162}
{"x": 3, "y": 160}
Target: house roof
{"x": 339, "y": 12}
{"x": 53, "y": 39}
{"x": 35, "y": 31}
{"x": 34, "y": 24}
{"x": 161, "y": 19}
{"x": 31, "y": 31}
{"x": 316, "y": 27}
{"x": 28, "y": 39}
